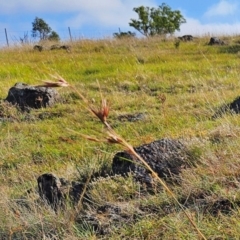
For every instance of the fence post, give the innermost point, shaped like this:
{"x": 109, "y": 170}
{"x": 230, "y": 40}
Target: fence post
{"x": 70, "y": 33}
{"x": 6, "y": 37}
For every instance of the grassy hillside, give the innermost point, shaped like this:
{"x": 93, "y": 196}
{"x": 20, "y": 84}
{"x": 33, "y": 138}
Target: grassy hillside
{"x": 178, "y": 89}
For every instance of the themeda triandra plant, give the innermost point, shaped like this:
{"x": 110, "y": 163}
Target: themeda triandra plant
{"x": 102, "y": 113}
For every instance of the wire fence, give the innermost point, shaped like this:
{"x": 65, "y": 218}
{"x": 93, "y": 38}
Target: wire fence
{"x": 13, "y": 38}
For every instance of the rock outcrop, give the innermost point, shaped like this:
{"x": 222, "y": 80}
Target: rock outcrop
{"x": 26, "y": 96}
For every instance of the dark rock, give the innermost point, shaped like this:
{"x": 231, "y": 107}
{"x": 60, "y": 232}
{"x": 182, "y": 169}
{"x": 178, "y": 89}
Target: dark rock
{"x": 220, "y": 206}
{"x": 56, "y": 190}
{"x": 49, "y": 189}
{"x": 57, "y": 46}
{"x": 166, "y": 157}
{"x": 233, "y": 107}
{"x": 186, "y": 38}
{"x": 75, "y": 191}
{"x": 26, "y": 96}
{"x": 66, "y": 47}
{"x": 105, "y": 218}
{"x": 132, "y": 117}
{"x": 215, "y": 41}
{"x": 38, "y": 48}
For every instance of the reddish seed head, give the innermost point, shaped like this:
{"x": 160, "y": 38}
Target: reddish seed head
{"x": 59, "y": 83}
{"x": 102, "y": 112}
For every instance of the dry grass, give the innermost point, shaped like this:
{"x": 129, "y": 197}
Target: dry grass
{"x": 135, "y": 75}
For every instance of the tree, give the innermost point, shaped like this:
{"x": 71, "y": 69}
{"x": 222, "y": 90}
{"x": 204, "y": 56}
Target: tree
{"x": 40, "y": 29}
{"x": 53, "y": 36}
{"x": 124, "y": 34}
{"x": 157, "y": 21}
{"x": 43, "y": 31}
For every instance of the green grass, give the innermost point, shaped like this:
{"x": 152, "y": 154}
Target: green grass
{"x": 133, "y": 74}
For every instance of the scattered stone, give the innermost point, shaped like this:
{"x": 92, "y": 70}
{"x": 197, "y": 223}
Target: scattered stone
{"x": 186, "y": 38}
{"x": 38, "y": 48}
{"x": 105, "y": 218}
{"x": 26, "y": 96}
{"x": 66, "y": 47}
{"x": 57, "y": 46}
{"x": 166, "y": 157}
{"x": 233, "y": 107}
{"x": 216, "y": 41}
{"x": 219, "y": 206}
{"x": 55, "y": 190}
{"x": 8, "y": 113}
{"x": 49, "y": 189}
{"x": 53, "y": 47}
{"x": 132, "y": 117}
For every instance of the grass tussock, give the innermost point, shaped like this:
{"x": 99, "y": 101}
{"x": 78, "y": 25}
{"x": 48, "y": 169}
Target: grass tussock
{"x": 177, "y": 90}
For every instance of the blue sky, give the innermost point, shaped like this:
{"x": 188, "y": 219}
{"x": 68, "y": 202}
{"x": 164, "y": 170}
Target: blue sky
{"x": 101, "y": 18}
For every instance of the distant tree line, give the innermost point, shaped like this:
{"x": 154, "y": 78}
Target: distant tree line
{"x": 154, "y": 21}
{"x": 41, "y": 30}
{"x": 151, "y": 21}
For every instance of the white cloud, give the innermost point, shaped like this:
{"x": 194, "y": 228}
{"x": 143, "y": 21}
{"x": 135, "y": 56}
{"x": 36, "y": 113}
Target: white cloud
{"x": 106, "y": 15}
{"x": 58, "y": 6}
{"x": 110, "y": 13}
{"x": 196, "y": 28}
{"x": 118, "y": 14}
{"x": 222, "y": 8}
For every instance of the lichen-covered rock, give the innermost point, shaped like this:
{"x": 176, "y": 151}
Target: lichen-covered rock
{"x": 186, "y": 38}
{"x": 26, "y": 96}
{"x": 105, "y": 218}
{"x": 49, "y": 189}
{"x": 232, "y": 107}
{"x": 216, "y": 41}
{"x": 235, "y": 105}
{"x": 57, "y": 46}
{"x": 166, "y": 157}
{"x": 38, "y": 48}
{"x": 132, "y": 117}
{"x": 55, "y": 190}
